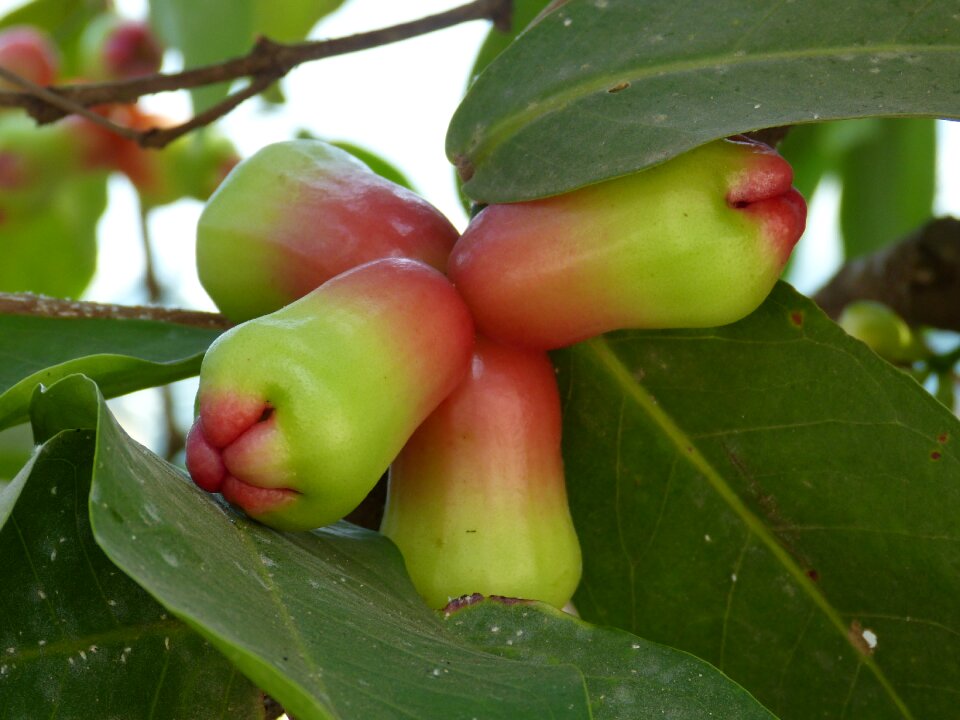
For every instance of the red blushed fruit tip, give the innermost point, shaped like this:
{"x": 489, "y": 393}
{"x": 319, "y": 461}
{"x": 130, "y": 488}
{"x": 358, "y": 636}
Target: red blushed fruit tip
{"x": 784, "y": 219}
{"x": 204, "y": 461}
{"x": 255, "y": 500}
{"x": 766, "y": 175}
{"x": 764, "y": 189}
{"x": 225, "y": 416}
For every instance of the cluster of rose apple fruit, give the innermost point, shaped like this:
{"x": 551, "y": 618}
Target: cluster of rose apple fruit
{"x": 37, "y": 164}
{"x": 372, "y": 336}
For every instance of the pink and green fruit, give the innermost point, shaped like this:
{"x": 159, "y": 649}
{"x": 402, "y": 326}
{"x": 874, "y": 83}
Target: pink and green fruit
{"x": 30, "y": 53}
{"x": 476, "y": 500}
{"x": 883, "y": 330}
{"x": 34, "y": 163}
{"x": 115, "y": 48}
{"x": 302, "y": 411}
{"x": 698, "y": 241}
{"x": 297, "y": 213}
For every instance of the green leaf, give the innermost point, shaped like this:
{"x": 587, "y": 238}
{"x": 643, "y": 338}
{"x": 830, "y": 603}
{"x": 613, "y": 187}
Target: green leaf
{"x": 55, "y": 251}
{"x": 524, "y": 11}
{"x": 772, "y": 497}
{"x": 207, "y": 31}
{"x": 78, "y": 638}
{"x": 290, "y": 20}
{"x": 16, "y": 446}
{"x": 626, "y": 677}
{"x": 121, "y": 355}
{"x": 889, "y": 181}
{"x": 600, "y": 88}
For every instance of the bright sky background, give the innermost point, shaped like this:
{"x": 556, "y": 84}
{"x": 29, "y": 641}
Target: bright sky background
{"x": 396, "y": 101}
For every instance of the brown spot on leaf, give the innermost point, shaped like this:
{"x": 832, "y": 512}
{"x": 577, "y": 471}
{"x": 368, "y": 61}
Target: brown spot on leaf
{"x": 813, "y": 575}
{"x": 935, "y": 455}
{"x": 465, "y": 169}
{"x": 796, "y": 318}
{"x": 942, "y": 438}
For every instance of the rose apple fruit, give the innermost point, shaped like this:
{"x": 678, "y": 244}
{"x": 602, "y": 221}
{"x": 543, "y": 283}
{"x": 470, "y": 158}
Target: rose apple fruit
{"x": 116, "y": 48}
{"x": 297, "y": 213}
{"x": 883, "y": 330}
{"x": 30, "y": 53}
{"x": 476, "y": 500}
{"x": 695, "y": 242}
{"x": 302, "y": 411}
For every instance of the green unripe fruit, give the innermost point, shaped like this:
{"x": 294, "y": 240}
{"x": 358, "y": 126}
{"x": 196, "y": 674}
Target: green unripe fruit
{"x": 696, "y": 242}
{"x": 476, "y": 500}
{"x": 303, "y": 410}
{"x": 885, "y": 332}
{"x": 192, "y": 166}
{"x": 297, "y": 213}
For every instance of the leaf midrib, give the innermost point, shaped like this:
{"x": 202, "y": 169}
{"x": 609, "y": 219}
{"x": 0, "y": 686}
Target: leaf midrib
{"x": 686, "y": 448}
{"x": 500, "y": 132}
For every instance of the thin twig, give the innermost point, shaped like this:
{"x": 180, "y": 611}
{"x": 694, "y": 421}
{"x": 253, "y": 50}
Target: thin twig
{"x": 65, "y": 104}
{"x": 42, "y": 306}
{"x": 266, "y": 62}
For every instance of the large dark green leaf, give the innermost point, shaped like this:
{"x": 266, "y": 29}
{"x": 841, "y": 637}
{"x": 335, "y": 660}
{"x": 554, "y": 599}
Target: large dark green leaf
{"x": 600, "y": 88}
{"x": 889, "y": 181}
{"x": 626, "y": 677}
{"x": 773, "y": 497}
{"x": 329, "y": 623}
{"x": 78, "y": 638}
{"x": 121, "y": 355}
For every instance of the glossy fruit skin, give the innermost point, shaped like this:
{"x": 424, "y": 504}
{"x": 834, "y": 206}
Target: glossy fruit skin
{"x": 303, "y": 410}
{"x": 696, "y": 242}
{"x": 297, "y": 213}
{"x": 883, "y": 330}
{"x": 476, "y": 500}
{"x": 30, "y": 53}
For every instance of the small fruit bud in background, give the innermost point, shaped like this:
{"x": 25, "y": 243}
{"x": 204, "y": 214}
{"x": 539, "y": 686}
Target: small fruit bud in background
{"x": 303, "y": 410}
{"x": 114, "y": 48}
{"x": 297, "y": 213}
{"x": 695, "y": 242}
{"x": 30, "y": 53}
{"x": 476, "y": 500}
{"x": 885, "y": 332}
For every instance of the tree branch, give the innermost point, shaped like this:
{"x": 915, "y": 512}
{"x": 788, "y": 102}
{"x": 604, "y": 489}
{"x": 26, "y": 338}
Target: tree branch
{"x": 919, "y": 278}
{"x": 267, "y": 62}
{"x": 42, "y": 306}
